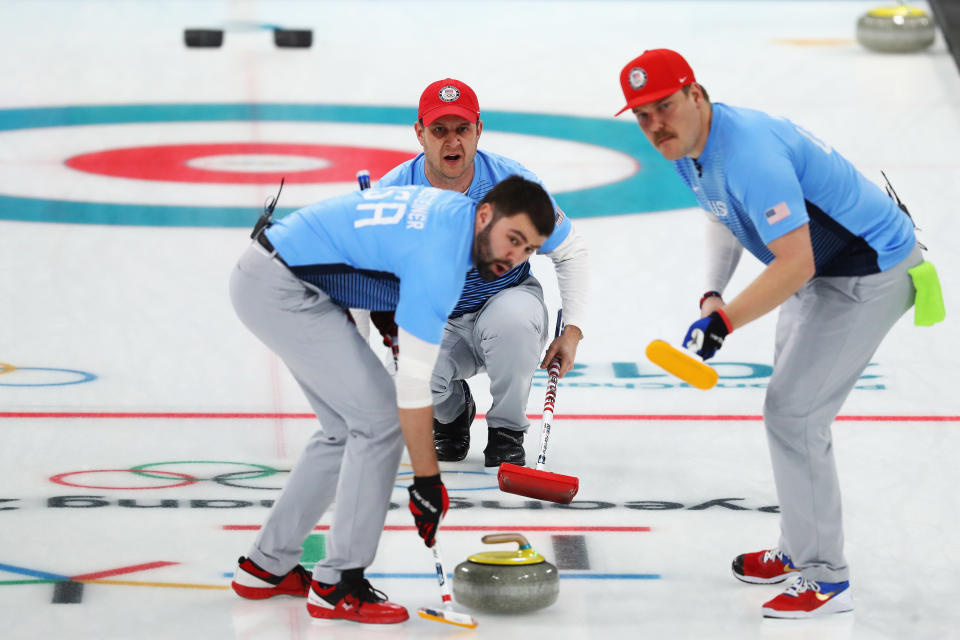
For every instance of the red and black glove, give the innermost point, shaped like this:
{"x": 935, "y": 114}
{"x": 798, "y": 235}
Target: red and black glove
{"x": 387, "y": 326}
{"x": 428, "y": 504}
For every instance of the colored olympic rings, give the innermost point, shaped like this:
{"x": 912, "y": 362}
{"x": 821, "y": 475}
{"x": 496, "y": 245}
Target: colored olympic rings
{"x": 148, "y": 471}
{"x": 225, "y": 479}
{"x": 59, "y": 479}
{"x": 242, "y": 479}
{"x": 263, "y": 472}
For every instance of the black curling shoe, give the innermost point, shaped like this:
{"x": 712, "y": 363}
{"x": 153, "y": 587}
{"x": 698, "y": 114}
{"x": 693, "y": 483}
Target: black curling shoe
{"x": 452, "y": 440}
{"x": 504, "y": 445}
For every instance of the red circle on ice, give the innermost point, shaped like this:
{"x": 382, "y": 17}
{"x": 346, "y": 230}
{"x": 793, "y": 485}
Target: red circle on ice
{"x": 186, "y": 479}
{"x": 240, "y": 162}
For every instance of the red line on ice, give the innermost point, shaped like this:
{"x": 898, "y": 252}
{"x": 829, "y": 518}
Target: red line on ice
{"x": 122, "y": 570}
{"x": 639, "y": 417}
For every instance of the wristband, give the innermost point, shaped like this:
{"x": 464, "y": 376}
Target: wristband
{"x": 709, "y": 294}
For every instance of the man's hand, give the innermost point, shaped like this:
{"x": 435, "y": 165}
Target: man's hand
{"x": 387, "y": 326}
{"x": 428, "y": 504}
{"x": 707, "y": 334}
{"x": 564, "y": 346}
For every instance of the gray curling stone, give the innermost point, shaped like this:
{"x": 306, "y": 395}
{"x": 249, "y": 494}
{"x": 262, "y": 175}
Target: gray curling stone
{"x": 900, "y": 29}
{"x": 506, "y": 581}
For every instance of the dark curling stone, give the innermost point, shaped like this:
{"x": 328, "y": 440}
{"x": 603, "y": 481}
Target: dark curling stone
{"x": 506, "y": 581}
{"x": 293, "y": 38}
{"x": 203, "y": 37}
{"x": 899, "y": 29}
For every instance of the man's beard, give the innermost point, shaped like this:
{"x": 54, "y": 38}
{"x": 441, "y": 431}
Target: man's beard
{"x": 483, "y": 256}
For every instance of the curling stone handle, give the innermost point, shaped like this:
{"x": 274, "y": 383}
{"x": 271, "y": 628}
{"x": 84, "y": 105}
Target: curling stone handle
{"x": 495, "y": 538}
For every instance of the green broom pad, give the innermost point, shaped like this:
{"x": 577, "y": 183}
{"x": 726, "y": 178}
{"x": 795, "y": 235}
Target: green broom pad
{"x": 928, "y": 307}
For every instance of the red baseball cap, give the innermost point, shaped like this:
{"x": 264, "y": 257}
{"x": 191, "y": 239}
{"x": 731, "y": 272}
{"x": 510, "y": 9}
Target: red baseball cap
{"x": 655, "y": 74}
{"x": 448, "y": 97}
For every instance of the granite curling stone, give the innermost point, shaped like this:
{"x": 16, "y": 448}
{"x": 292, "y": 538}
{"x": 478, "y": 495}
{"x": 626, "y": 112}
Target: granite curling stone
{"x": 506, "y": 581}
{"x": 900, "y": 29}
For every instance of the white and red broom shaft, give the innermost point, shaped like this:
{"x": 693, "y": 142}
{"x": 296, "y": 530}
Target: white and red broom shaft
{"x": 446, "y": 613}
{"x": 551, "y": 397}
{"x": 548, "y": 404}
{"x": 441, "y": 578}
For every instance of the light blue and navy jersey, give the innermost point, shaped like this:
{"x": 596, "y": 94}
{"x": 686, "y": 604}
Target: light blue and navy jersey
{"x": 489, "y": 169}
{"x": 763, "y": 177}
{"x": 402, "y": 248}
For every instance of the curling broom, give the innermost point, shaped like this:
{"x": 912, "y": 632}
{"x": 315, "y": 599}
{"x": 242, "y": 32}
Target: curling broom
{"x": 537, "y": 483}
{"x": 682, "y": 364}
{"x": 446, "y": 612}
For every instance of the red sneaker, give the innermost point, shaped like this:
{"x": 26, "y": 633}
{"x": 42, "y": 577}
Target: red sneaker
{"x": 250, "y": 581}
{"x": 807, "y": 599}
{"x": 353, "y": 598}
{"x": 763, "y": 567}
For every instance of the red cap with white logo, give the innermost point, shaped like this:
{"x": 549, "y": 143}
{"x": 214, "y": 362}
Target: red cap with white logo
{"x": 654, "y": 75}
{"x": 448, "y": 97}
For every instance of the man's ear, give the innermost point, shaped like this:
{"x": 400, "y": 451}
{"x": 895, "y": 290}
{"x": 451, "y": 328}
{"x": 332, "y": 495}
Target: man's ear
{"x": 696, "y": 93}
{"x": 479, "y": 127}
{"x": 418, "y": 129}
{"x": 484, "y": 215}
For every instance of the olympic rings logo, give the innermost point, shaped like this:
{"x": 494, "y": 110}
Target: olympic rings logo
{"x": 241, "y": 479}
{"x": 174, "y": 479}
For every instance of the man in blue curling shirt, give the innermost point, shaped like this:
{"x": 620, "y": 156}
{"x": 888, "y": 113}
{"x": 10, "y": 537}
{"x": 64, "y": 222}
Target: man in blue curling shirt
{"x": 500, "y": 327}
{"x": 291, "y": 288}
{"x": 837, "y": 250}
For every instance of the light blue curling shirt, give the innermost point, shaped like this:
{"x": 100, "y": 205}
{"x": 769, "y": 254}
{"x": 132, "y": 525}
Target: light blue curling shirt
{"x": 763, "y": 177}
{"x": 489, "y": 169}
{"x": 402, "y": 248}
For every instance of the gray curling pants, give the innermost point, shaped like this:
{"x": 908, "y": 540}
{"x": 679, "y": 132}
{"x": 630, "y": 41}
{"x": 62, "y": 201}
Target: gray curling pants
{"x": 353, "y": 459}
{"x": 826, "y": 334}
{"x": 505, "y": 338}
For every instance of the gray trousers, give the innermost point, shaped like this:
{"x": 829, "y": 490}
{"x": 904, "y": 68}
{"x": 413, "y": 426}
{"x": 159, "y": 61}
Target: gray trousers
{"x": 505, "y": 338}
{"x": 353, "y": 459}
{"x": 826, "y": 335}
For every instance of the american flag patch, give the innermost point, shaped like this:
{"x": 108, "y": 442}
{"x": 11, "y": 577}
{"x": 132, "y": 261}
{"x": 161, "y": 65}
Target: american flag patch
{"x": 558, "y": 216}
{"x": 778, "y": 213}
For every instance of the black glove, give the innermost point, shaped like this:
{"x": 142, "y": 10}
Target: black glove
{"x": 428, "y": 504}
{"x": 707, "y": 334}
{"x": 387, "y": 326}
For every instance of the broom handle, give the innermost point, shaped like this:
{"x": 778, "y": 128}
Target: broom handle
{"x": 550, "y": 399}
{"x": 441, "y": 578}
